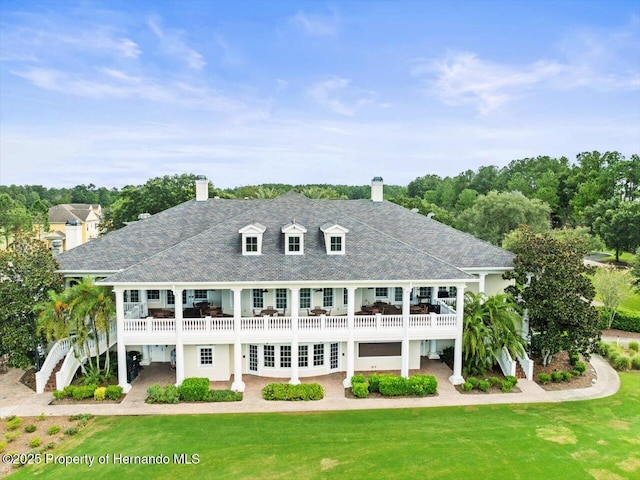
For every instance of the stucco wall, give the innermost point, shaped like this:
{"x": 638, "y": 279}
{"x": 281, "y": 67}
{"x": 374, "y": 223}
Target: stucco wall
{"x": 221, "y": 370}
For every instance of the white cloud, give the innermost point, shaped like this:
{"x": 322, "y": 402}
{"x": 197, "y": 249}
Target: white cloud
{"x": 337, "y": 95}
{"x": 317, "y": 25}
{"x": 173, "y": 43}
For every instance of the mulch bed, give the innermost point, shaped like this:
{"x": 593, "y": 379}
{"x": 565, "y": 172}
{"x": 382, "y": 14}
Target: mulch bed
{"x": 349, "y": 394}
{"x": 84, "y": 401}
{"x": 560, "y": 363}
{"x": 29, "y": 379}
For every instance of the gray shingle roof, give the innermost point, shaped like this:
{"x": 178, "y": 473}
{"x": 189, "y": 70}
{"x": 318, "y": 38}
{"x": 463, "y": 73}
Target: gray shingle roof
{"x": 199, "y": 242}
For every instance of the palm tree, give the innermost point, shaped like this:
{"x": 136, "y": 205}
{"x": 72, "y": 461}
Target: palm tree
{"x": 489, "y": 324}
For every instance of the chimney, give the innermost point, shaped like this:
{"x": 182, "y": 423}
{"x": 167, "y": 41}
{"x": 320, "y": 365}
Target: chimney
{"x": 202, "y": 188}
{"x": 377, "y": 189}
{"x": 73, "y": 234}
{"x": 56, "y": 247}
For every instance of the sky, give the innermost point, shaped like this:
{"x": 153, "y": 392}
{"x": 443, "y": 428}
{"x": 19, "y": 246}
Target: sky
{"x": 248, "y": 92}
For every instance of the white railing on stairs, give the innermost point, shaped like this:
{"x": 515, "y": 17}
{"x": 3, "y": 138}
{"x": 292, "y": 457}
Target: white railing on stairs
{"x": 505, "y": 361}
{"x": 527, "y": 365}
{"x": 57, "y": 353}
{"x": 71, "y": 363}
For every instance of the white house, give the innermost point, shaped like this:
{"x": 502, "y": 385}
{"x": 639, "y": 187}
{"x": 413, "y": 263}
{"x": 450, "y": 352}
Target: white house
{"x": 288, "y": 287}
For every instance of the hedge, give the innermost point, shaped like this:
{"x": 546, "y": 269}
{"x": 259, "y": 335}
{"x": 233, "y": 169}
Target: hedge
{"x": 194, "y": 389}
{"x": 416, "y": 385}
{"x": 626, "y": 320}
{"x": 286, "y": 391}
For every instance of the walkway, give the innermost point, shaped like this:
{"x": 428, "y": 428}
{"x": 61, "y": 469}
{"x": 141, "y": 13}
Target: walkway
{"x": 16, "y": 399}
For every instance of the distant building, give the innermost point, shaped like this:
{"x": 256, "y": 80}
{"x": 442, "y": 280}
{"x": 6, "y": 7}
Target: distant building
{"x": 72, "y": 224}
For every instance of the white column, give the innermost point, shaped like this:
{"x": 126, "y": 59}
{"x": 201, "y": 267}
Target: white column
{"x": 433, "y": 349}
{"x": 237, "y": 385}
{"x": 122, "y": 352}
{"x": 145, "y": 355}
{"x": 179, "y": 346}
{"x": 481, "y": 286}
{"x": 295, "y": 296}
{"x": 351, "y": 313}
{"x": 456, "y": 378}
{"x": 406, "y": 302}
{"x": 434, "y": 295}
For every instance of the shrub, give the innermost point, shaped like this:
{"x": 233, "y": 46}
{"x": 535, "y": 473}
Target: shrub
{"x": 467, "y": 386}
{"x": 224, "y": 396}
{"x": 3, "y": 444}
{"x": 286, "y": 391}
{"x": 506, "y": 386}
{"x": 484, "y": 385}
{"x": 627, "y": 320}
{"x": 81, "y": 416}
{"x": 41, "y": 417}
{"x": 30, "y": 428}
{"x": 49, "y": 446}
{"x": 194, "y": 389}
{"x": 603, "y": 349}
{"x": 71, "y": 431}
{"x": 11, "y": 436}
{"x": 566, "y": 376}
{"x": 575, "y": 373}
{"x": 68, "y": 390}
{"x": 422, "y": 385}
{"x": 359, "y": 378}
{"x": 113, "y": 392}
{"x": 359, "y": 389}
{"x": 168, "y": 394}
{"x": 634, "y": 346}
{"x": 544, "y": 378}
{"x": 35, "y": 442}
{"x": 53, "y": 429}
{"x": 556, "y": 376}
{"x": 512, "y": 379}
{"x": 100, "y": 393}
{"x": 635, "y": 363}
{"x": 622, "y": 362}
{"x": 58, "y": 394}
{"x": 494, "y": 381}
{"x": 473, "y": 381}
{"x": 85, "y": 391}
{"x": 14, "y": 423}
{"x": 393, "y": 386}
{"x": 574, "y": 358}
{"x": 580, "y": 367}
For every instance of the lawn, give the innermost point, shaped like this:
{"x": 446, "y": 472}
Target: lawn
{"x": 588, "y": 439}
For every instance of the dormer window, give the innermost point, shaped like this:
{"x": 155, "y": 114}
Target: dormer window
{"x": 252, "y": 238}
{"x": 294, "y": 238}
{"x": 334, "y": 238}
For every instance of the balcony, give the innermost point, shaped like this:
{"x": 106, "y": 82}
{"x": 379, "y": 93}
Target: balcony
{"x": 272, "y": 329}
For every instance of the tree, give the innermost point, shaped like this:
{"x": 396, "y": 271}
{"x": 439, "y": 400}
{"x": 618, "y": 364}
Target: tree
{"x": 635, "y": 269}
{"x": 489, "y": 325}
{"x": 613, "y": 287}
{"x": 27, "y": 273}
{"x": 14, "y": 218}
{"x": 619, "y": 226}
{"x": 581, "y": 234}
{"x": 496, "y": 214}
{"x": 552, "y": 286}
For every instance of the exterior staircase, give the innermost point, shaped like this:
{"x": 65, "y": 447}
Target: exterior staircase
{"x": 520, "y": 373}
{"x": 50, "y": 386}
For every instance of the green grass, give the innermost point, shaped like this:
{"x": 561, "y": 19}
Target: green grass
{"x": 573, "y": 440}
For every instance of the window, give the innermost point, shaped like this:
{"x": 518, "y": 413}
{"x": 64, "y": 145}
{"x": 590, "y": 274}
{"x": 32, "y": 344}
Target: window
{"x": 318, "y": 355}
{"x": 336, "y": 244}
{"x": 253, "y": 358}
{"x": 171, "y": 299}
{"x": 251, "y": 244}
{"x": 334, "y": 356}
{"x": 294, "y": 244}
{"x": 269, "y": 356}
{"x": 345, "y": 297}
{"x": 382, "y": 292}
{"x": 327, "y": 297}
{"x": 258, "y": 298}
{"x": 285, "y": 356}
{"x": 390, "y": 349}
{"x": 200, "y": 294}
{"x": 281, "y": 298}
{"x": 205, "y": 356}
{"x": 132, "y": 296}
{"x": 184, "y": 297}
{"x": 153, "y": 294}
{"x": 303, "y": 355}
{"x": 305, "y": 298}
{"x": 424, "y": 292}
{"x": 398, "y": 294}
{"x": 453, "y": 291}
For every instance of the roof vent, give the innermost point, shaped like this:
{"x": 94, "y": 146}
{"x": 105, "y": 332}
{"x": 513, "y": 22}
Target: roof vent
{"x": 143, "y": 216}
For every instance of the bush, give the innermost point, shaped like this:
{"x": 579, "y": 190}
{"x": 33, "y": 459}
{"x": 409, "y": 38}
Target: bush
{"x": 634, "y": 346}
{"x": 168, "y": 394}
{"x": 85, "y": 391}
{"x": 194, "y": 389}
{"x": 635, "y": 363}
{"x": 53, "y": 429}
{"x": 622, "y": 362}
{"x": 575, "y": 373}
{"x": 422, "y": 385}
{"x": 484, "y": 385}
{"x": 360, "y": 389}
{"x": 41, "y": 417}
{"x": 580, "y": 367}
{"x": 30, "y": 428}
{"x": 359, "y": 378}
{"x": 574, "y": 358}
{"x": 71, "y": 431}
{"x": 11, "y": 436}
{"x": 81, "y": 416}
{"x": 544, "y": 378}
{"x": 224, "y": 396}
{"x": 494, "y": 381}
{"x": 556, "y": 376}
{"x": 68, "y": 390}
{"x": 506, "y": 386}
{"x": 627, "y": 320}
{"x": 603, "y": 349}
{"x": 14, "y": 423}
{"x": 113, "y": 392}
{"x": 3, "y": 444}
{"x": 566, "y": 376}
{"x": 35, "y": 442}
{"x": 467, "y": 386}
{"x": 100, "y": 393}
{"x": 512, "y": 379}
{"x": 473, "y": 381}
{"x": 286, "y": 391}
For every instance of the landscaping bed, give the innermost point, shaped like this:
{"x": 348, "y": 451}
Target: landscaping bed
{"x": 385, "y": 385}
{"x": 561, "y": 363}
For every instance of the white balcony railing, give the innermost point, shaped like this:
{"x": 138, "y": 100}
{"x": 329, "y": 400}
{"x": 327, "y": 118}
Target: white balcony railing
{"x": 57, "y": 353}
